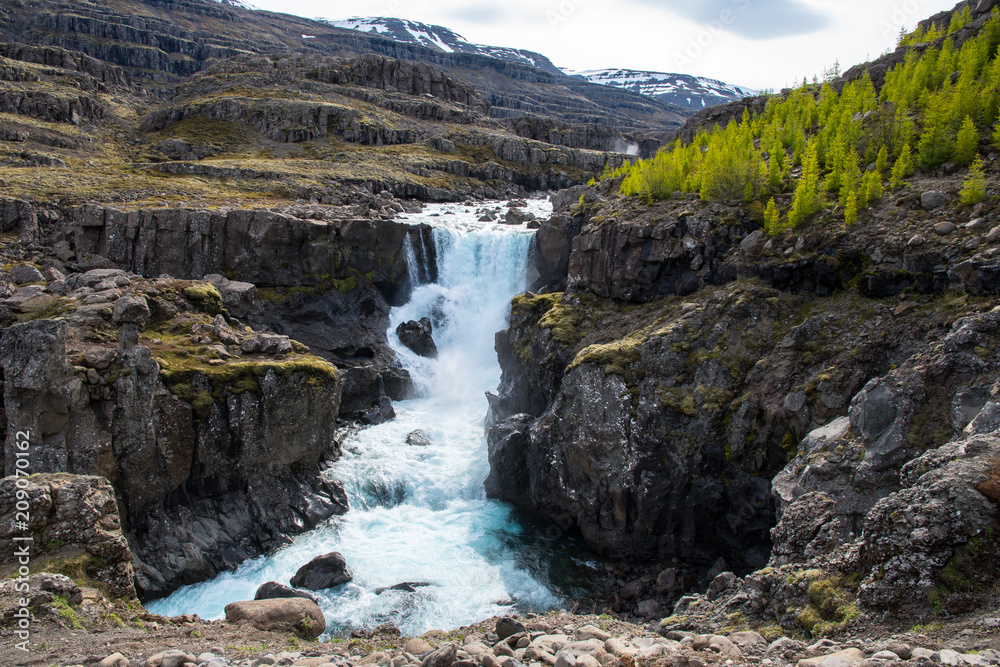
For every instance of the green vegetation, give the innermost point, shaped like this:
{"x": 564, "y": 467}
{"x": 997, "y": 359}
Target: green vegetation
{"x": 62, "y": 607}
{"x": 831, "y": 603}
{"x": 206, "y": 296}
{"x": 940, "y": 100}
{"x": 974, "y": 188}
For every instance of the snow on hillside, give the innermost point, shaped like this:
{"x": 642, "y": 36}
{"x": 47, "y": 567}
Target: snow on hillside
{"x": 236, "y": 3}
{"x": 685, "y": 90}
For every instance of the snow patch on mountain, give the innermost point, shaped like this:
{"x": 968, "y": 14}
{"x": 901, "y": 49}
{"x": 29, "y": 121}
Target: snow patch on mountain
{"x": 693, "y": 92}
{"x": 236, "y": 3}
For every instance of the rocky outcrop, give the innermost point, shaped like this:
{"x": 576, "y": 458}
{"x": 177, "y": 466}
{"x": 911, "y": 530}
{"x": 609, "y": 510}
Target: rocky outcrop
{"x": 659, "y": 440}
{"x": 255, "y": 246}
{"x": 73, "y": 526}
{"x": 205, "y": 480}
{"x": 107, "y": 75}
{"x": 19, "y": 215}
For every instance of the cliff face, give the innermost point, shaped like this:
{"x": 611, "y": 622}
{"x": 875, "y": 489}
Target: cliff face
{"x": 693, "y": 382}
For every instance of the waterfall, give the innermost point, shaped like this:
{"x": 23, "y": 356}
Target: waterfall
{"x": 419, "y": 513}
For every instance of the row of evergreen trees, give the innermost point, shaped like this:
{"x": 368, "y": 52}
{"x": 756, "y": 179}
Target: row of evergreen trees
{"x": 940, "y": 105}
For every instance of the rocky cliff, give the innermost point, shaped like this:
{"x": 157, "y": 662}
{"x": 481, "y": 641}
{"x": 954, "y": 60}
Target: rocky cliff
{"x": 196, "y": 422}
{"x": 682, "y": 382}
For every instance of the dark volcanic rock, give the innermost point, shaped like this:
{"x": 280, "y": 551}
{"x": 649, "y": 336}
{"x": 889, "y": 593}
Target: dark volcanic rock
{"x": 273, "y": 590}
{"x": 406, "y": 586}
{"x": 417, "y": 336}
{"x": 322, "y": 572}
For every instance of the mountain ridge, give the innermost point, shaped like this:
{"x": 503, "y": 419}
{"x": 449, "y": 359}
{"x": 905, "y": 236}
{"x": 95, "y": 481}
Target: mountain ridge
{"x": 685, "y": 90}
{"x": 440, "y": 37}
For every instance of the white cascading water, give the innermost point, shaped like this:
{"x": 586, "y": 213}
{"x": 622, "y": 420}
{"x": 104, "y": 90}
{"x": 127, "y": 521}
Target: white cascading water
{"x": 419, "y": 513}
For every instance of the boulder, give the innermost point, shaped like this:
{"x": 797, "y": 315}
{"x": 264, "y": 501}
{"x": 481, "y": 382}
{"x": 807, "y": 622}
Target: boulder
{"x": 406, "y": 586}
{"x": 131, "y": 310}
{"x": 114, "y": 660}
{"x": 516, "y": 216}
{"x": 25, "y": 273}
{"x": 273, "y": 590}
{"x": 417, "y": 439}
{"x": 288, "y": 614}
{"x": 322, "y": 572}
{"x": 266, "y": 343}
{"x": 416, "y": 335}
{"x": 933, "y": 199}
{"x": 444, "y": 656}
{"x": 508, "y": 627}
{"x": 241, "y": 299}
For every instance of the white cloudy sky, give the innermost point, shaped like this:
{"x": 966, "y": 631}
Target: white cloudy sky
{"x": 756, "y": 43}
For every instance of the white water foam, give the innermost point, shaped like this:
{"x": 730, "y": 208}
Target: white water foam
{"x": 419, "y": 514}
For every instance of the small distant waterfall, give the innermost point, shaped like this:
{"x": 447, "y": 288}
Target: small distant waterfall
{"x": 419, "y": 513}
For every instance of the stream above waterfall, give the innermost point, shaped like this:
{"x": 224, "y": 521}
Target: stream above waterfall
{"x": 419, "y": 513}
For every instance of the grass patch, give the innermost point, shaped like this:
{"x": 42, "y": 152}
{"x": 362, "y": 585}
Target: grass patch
{"x": 832, "y": 603}
{"x": 62, "y": 607}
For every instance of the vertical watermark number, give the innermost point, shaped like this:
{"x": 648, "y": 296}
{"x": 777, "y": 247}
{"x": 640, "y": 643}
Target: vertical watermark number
{"x": 22, "y": 540}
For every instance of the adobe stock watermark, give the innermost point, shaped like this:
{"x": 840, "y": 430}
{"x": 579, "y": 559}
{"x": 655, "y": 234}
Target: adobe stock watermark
{"x": 560, "y": 13}
{"x": 22, "y": 540}
{"x": 899, "y": 15}
{"x": 710, "y": 33}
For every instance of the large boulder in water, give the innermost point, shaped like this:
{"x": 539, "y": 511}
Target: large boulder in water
{"x": 322, "y": 572}
{"x": 417, "y": 336}
{"x": 272, "y": 590}
{"x": 289, "y": 614}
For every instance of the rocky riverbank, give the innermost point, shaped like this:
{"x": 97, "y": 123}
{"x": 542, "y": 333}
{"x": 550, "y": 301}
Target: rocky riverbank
{"x": 80, "y": 627}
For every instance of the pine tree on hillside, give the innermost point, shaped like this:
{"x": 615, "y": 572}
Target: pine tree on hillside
{"x": 974, "y": 189}
{"x": 882, "y": 161}
{"x": 902, "y": 168}
{"x": 808, "y": 198}
{"x": 966, "y": 143}
{"x": 851, "y": 210}
{"x": 772, "y": 218}
{"x": 934, "y": 146}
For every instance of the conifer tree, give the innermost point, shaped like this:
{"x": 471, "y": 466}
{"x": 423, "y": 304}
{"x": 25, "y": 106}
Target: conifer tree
{"x": 902, "y": 168}
{"x": 772, "y": 218}
{"x": 882, "y": 161}
{"x": 996, "y": 135}
{"x": 808, "y": 199}
{"x": 966, "y": 143}
{"x": 850, "y": 178}
{"x": 873, "y": 187}
{"x": 851, "y": 210}
{"x": 974, "y": 189}
{"x": 935, "y": 144}
{"x": 776, "y": 167}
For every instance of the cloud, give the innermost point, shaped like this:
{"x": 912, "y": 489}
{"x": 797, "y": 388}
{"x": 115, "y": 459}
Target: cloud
{"x": 751, "y": 19}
